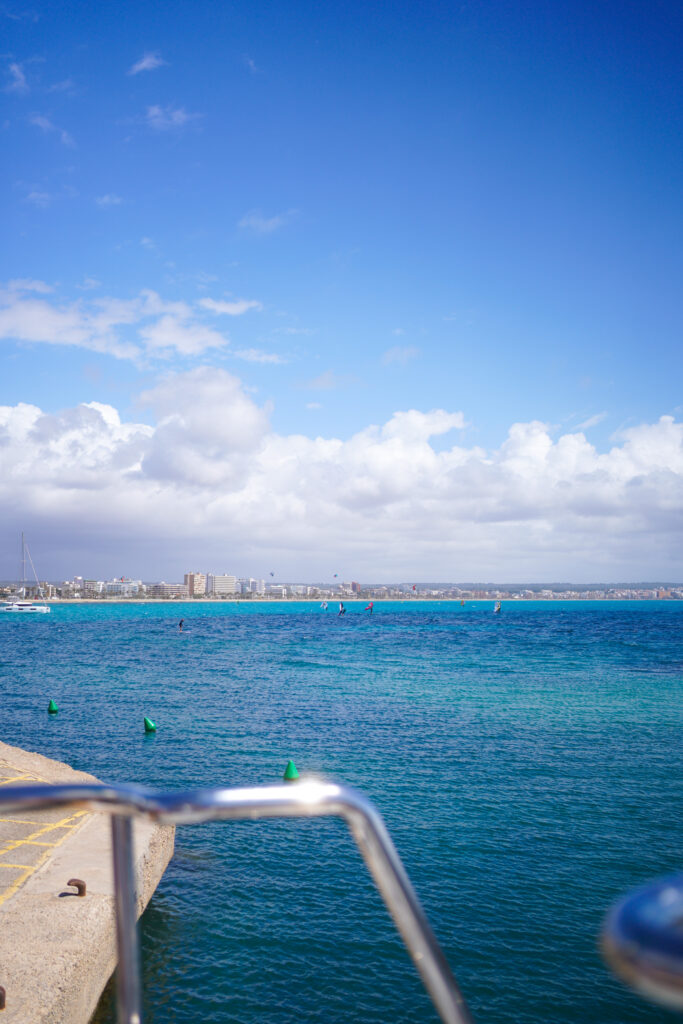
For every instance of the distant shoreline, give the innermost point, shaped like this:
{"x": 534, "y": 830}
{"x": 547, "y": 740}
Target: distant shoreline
{"x": 335, "y": 600}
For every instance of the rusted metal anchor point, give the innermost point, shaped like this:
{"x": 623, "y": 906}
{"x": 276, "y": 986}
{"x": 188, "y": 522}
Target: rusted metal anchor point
{"x": 80, "y": 886}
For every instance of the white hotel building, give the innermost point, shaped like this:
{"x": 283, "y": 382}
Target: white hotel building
{"x": 221, "y": 586}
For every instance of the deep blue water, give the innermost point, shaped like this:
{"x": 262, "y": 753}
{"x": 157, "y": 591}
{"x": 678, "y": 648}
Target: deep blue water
{"x": 528, "y": 766}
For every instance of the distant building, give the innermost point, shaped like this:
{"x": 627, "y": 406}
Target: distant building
{"x": 252, "y": 586}
{"x": 195, "y": 583}
{"x": 168, "y": 590}
{"x": 355, "y": 588}
{"x": 123, "y": 588}
{"x": 221, "y": 586}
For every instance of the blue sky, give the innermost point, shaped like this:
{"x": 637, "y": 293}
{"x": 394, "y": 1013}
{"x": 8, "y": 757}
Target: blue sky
{"x": 354, "y": 211}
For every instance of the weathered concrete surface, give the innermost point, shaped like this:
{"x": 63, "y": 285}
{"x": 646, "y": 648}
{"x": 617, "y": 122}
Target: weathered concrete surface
{"x": 58, "y": 951}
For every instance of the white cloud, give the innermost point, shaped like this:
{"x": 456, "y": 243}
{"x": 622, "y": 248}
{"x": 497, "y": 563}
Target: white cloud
{"x": 401, "y": 354}
{"x": 37, "y": 198}
{"x": 170, "y": 333}
{"x": 257, "y": 224}
{"x": 17, "y": 80}
{"x": 168, "y": 118}
{"x": 148, "y": 62}
{"x": 25, "y": 284}
{"x": 251, "y": 65}
{"x": 125, "y": 328}
{"x": 67, "y": 85}
{"x": 592, "y": 421}
{"x": 212, "y": 475}
{"x": 47, "y": 126}
{"x": 235, "y": 308}
{"x": 255, "y": 355}
{"x": 329, "y": 381}
{"x": 110, "y": 199}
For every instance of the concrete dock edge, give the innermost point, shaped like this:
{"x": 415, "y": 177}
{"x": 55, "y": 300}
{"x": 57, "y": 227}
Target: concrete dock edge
{"x": 58, "y": 950}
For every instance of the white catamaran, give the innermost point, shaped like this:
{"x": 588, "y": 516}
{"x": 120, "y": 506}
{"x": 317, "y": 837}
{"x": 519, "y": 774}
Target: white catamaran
{"x": 19, "y": 604}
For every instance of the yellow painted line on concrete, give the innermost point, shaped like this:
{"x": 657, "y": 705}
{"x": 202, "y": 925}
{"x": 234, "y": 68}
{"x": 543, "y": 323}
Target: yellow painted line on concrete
{"x": 16, "y": 884}
{"x": 34, "y": 842}
{"x": 19, "y": 821}
{"x": 66, "y": 824}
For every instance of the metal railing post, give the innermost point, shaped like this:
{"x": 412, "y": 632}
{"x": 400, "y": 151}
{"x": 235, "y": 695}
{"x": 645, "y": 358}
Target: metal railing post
{"x": 128, "y": 989}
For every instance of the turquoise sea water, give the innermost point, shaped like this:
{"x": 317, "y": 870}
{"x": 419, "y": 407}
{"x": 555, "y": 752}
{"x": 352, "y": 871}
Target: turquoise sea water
{"x": 528, "y": 766}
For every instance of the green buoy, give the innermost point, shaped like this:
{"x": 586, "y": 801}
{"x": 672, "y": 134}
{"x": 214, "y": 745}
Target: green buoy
{"x": 291, "y": 774}
{"x": 52, "y": 708}
{"x": 149, "y": 725}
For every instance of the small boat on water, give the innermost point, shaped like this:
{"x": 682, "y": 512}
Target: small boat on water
{"x": 19, "y": 605}
{"x": 24, "y": 606}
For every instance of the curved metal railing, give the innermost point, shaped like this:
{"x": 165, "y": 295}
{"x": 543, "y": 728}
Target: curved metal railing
{"x": 642, "y": 939}
{"x": 301, "y": 800}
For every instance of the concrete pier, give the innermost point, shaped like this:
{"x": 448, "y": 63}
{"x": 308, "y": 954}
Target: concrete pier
{"x": 58, "y": 950}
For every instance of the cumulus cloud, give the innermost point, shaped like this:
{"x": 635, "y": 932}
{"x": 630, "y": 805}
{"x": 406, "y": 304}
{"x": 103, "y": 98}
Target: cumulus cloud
{"x": 212, "y": 475}
{"x": 148, "y": 62}
{"x": 174, "y": 332}
{"x": 125, "y": 328}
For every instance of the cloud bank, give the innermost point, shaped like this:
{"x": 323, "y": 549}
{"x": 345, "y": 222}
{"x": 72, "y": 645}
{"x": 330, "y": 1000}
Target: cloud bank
{"x": 212, "y": 484}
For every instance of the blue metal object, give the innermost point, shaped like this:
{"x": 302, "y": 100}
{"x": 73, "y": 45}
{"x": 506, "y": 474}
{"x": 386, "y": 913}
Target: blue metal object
{"x": 643, "y": 940}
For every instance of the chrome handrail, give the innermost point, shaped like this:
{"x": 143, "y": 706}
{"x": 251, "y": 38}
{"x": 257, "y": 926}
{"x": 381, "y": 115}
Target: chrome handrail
{"x": 305, "y": 799}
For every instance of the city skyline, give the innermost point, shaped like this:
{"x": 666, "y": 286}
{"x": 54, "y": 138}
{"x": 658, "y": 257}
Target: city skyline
{"x": 374, "y": 292}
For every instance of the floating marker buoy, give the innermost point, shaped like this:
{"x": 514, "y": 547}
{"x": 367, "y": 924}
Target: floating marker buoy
{"x": 149, "y": 725}
{"x": 52, "y": 708}
{"x": 291, "y": 774}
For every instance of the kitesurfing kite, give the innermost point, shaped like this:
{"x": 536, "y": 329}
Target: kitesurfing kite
{"x": 369, "y": 608}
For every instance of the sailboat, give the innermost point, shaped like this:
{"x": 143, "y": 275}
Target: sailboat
{"x": 17, "y": 605}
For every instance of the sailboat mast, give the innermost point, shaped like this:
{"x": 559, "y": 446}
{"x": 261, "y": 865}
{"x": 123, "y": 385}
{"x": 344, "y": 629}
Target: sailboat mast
{"x": 23, "y": 562}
